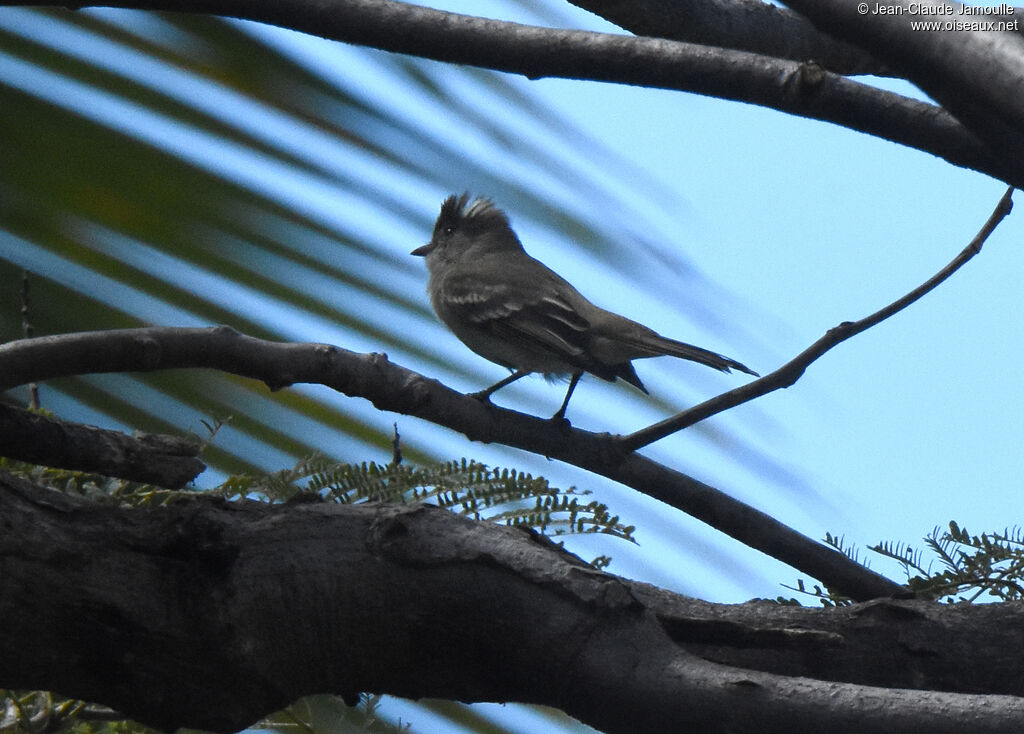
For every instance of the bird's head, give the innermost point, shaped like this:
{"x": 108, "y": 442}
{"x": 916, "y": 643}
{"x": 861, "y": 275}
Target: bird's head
{"x": 468, "y": 230}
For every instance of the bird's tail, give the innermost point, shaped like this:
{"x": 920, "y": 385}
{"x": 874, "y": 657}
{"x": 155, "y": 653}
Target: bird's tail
{"x": 658, "y": 344}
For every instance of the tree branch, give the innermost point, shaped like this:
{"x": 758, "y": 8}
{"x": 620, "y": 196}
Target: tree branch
{"x": 168, "y": 461}
{"x": 800, "y": 89}
{"x": 743, "y": 25}
{"x": 977, "y": 74}
{"x": 790, "y": 372}
{"x": 210, "y": 614}
{"x": 391, "y": 387}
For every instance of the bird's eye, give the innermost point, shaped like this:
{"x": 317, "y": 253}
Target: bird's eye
{"x": 449, "y": 230}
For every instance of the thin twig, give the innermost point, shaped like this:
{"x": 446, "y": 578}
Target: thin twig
{"x": 396, "y": 446}
{"x": 790, "y": 372}
{"x": 29, "y": 332}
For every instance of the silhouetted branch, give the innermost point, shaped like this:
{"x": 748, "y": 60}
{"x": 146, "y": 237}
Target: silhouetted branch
{"x": 391, "y": 387}
{"x": 797, "y": 88}
{"x": 790, "y": 372}
{"x": 150, "y": 458}
{"x": 977, "y": 73}
{"x": 211, "y": 614}
{"x": 743, "y": 25}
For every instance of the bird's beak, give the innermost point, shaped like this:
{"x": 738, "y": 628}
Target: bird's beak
{"x": 424, "y": 250}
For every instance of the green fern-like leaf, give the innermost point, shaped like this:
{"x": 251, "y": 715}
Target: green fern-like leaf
{"x": 907, "y": 556}
{"x": 973, "y": 566}
{"x": 848, "y": 550}
{"x": 464, "y": 486}
{"x": 826, "y": 597}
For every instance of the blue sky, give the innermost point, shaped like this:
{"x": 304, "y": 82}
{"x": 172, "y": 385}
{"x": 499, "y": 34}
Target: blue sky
{"x": 796, "y": 225}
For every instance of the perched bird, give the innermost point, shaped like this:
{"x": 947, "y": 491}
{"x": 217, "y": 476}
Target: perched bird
{"x": 515, "y": 311}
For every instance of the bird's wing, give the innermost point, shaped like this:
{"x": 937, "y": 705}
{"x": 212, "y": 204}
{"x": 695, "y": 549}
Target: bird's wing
{"x": 538, "y": 318}
{"x": 542, "y": 316}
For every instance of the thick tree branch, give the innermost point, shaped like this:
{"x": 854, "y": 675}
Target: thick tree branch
{"x": 790, "y": 372}
{"x": 212, "y": 614}
{"x": 391, "y": 387}
{"x": 975, "y": 73}
{"x": 743, "y": 25}
{"x": 799, "y": 89}
{"x": 168, "y": 461}
{"x": 887, "y": 642}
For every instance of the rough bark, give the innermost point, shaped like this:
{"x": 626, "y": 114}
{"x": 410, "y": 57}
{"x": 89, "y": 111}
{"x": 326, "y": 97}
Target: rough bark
{"x": 744, "y": 25}
{"x": 152, "y": 458}
{"x": 211, "y": 614}
{"x": 974, "y": 72}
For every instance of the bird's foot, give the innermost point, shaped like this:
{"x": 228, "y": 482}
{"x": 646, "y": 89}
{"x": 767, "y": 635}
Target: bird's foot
{"x": 560, "y": 420}
{"x": 484, "y": 396}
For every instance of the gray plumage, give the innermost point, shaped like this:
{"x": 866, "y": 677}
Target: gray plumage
{"x": 515, "y": 311}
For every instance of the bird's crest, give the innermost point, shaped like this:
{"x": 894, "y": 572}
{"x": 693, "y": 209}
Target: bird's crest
{"x": 458, "y": 212}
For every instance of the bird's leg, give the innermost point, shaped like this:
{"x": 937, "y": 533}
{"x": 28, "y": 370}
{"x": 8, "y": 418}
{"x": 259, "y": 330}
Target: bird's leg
{"x": 484, "y": 396}
{"x": 560, "y": 415}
